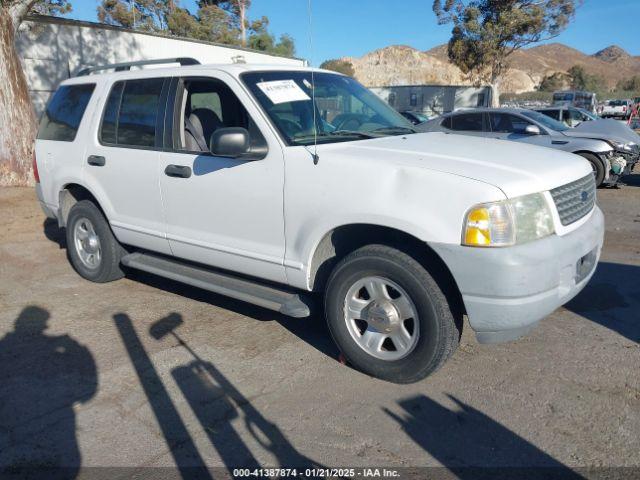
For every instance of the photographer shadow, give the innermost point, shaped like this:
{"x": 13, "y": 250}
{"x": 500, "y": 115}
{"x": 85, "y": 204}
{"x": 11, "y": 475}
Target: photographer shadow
{"x": 42, "y": 378}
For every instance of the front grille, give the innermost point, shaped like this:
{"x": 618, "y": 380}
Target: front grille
{"x": 576, "y": 199}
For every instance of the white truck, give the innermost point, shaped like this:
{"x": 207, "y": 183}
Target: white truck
{"x": 278, "y": 185}
{"x": 617, "y": 109}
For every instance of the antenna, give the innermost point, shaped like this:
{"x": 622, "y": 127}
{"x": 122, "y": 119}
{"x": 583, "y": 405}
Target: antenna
{"x": 313, "y": 90}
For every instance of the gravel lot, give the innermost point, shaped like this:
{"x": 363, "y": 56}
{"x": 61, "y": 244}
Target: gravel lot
{"x": 88, "y": 377}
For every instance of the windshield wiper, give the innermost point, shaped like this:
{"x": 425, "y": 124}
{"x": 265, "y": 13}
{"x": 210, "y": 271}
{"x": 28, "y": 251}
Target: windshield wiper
{"x": 351, "y": 133}
{"x": 338, "y": 133}
{"x": 392, "y": 130}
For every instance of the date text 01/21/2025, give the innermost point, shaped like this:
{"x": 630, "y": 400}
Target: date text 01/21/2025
{"x": 316, "y": 473}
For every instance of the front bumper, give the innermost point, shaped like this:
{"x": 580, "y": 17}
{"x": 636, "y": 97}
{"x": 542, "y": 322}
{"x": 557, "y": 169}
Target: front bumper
{"x": 631, "y": 159}
{"x": 507, "y": 291}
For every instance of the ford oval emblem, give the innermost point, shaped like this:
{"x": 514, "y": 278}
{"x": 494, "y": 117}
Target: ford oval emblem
{"x": 584, "y": 196}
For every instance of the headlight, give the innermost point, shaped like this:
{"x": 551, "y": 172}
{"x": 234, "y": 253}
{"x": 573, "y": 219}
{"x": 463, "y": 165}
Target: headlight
{"x": 627, "y": 147}
{"x": 508, "y": 222}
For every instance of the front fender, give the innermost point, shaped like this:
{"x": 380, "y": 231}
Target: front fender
{"x": 426, "y": 204}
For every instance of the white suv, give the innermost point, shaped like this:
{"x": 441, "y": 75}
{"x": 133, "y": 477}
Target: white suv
{"x": 216, "y": 177}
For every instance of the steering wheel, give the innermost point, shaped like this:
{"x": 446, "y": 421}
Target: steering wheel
{"x": 339, "y": 125}
{"x": 289, "y": 126}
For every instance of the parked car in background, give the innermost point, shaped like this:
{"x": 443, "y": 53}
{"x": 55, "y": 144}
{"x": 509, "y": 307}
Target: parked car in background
{"x": 624, "y": 141}
{"x": 570, "y": 116}
{"x": 415, "y": 117}
{"x": 576, "y": 98}
{"x": 529, "y": 126}
{"x": 617, "y": 109}
{"x": 222, "y": 177}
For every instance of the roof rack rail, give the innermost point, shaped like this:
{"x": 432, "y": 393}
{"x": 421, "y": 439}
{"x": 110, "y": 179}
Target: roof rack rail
{"x": 118, "y": 67}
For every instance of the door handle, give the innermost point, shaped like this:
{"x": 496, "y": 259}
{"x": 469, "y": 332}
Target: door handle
{"x": 178, "y": 171}
{"x": 96, "y": 160}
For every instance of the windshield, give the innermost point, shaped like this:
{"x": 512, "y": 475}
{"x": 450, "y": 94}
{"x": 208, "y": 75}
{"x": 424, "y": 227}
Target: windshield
{"x": 588, "y": 114}
{"x": 344, "y": 110}
{"x": 421, "y": 117}
{"x": 563, "y": 97}
{"x": 546, "y": 121}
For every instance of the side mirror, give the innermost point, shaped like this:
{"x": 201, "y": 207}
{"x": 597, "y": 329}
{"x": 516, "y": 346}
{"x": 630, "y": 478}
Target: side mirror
{"x": 230, "y": 142}
{"x": 532, "y": 130}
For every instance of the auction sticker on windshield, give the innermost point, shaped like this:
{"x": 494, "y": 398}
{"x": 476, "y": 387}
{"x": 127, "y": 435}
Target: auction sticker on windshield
{"x": 283, "y": 91}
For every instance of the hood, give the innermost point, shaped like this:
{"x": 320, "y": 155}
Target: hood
{"x": 515, "y": 168}
{"x": 604, "y": 129}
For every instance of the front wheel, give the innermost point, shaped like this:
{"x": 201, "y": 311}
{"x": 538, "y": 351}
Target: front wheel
{"x": 388, "y": 315}
{"x": 596, "y": 165}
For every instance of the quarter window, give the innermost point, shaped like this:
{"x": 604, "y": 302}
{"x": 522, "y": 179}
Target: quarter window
{"x": 64, "y": 113}
{"x": 131, "y": 113}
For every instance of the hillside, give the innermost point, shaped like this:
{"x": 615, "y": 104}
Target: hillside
{"x": 402, "y": 65}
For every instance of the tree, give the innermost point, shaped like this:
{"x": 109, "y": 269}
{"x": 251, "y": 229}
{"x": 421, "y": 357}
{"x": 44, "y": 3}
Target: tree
{"x": 554, "y": 82}
{"x": 17, "y": 120}
{"x": 486, "y": 32}
{"x": 237, "y": 11}
{"x": 216, "y": 25}
{"x": 341, "y": 66}
{"x": 581, "y": 80}
{"x": 630, "y": 85}
{"x": 148, "y": 15}
{"x": 219, "y": 21}
{"x": 260, "y": 39}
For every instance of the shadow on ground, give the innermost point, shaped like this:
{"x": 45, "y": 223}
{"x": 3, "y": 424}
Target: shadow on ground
{"x": 612, "y": 299}
{"x": 471, "y": 445}
{"x": 215, "y": 402}
{"x": 312, "y": 330}
{"x": 632, "y": 180}
{"x": 42, "y": 377}
{"x": 54, "y": 233}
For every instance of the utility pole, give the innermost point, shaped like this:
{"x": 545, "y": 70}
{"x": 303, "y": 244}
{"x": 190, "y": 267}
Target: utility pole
{"x": 133, "y": 13}
{"x": 243, "y": 28}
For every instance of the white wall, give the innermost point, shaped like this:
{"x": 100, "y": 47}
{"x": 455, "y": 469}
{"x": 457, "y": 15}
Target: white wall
{"x": 52, "y": 50}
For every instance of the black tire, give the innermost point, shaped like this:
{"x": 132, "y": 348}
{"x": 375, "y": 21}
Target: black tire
{"x": 108, "y": 267}
{"x": 438, "y": 335}
{"x": 597, "y": 166}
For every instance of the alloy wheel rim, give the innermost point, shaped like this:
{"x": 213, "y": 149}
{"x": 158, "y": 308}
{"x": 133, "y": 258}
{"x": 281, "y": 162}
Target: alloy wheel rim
{"x": 381, "y": 318}
{"x": 87, "y": 243}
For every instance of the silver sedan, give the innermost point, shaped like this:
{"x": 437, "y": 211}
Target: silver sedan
{"x": 521, "y": 125}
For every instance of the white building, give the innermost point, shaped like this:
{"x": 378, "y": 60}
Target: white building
{"x": 433, "y": 100}
{"x": 53, "y": 49}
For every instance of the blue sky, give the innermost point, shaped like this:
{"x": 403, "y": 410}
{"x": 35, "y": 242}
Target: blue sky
{"x": 355, "y": 27}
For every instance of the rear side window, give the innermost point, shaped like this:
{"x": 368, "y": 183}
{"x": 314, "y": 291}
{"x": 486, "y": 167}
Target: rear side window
{"x": 131, "y": 113}
{"x": 470, "y": 122}
{"x": 64, "y": 113}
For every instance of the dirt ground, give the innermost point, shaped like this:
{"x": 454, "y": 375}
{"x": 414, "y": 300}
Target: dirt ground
{"x": 91, "y": 375}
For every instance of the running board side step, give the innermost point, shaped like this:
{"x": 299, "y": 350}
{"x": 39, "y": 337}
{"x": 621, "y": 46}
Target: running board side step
{"x": 280, "y": 300}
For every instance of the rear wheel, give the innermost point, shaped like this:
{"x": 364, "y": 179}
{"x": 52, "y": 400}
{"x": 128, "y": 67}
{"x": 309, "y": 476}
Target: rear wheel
{"x": 388, "y": 316}
{"x": 92, "y": 248}
{"x": 596, "y": 165}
